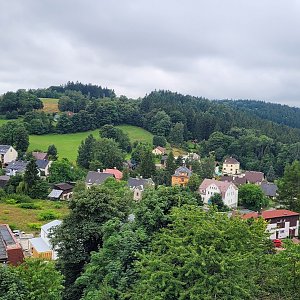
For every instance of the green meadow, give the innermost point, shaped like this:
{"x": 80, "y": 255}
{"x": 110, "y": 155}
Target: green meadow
{"x": 67, "y": 144}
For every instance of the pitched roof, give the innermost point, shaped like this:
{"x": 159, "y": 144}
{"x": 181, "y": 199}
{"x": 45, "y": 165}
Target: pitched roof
{"x": 39, "y": 155}
{"x": 93, "y": 177}
{"x": 42, "y": 163}
{"x": 162, "y": 149}
{"x": 254, "y": 177}
{"x": 140, "y": 183}
{"x": 269, "y": 189}
{"x": 55, "y": 194}
{"x": 63, "y": 186}
{"x": 17, "y": 165}
{"x": 236, "y": 180}
{"x": 183, "y": 169}
{"x": 50, "y": 225}
{"x": 40, "y": 245}
{"x": 270, "y": 214}
{"x": 4, "y": 148}
{"x": 222, "y": 185}
{"x": 231, "y": 160}
{"x": 118, "y": 174}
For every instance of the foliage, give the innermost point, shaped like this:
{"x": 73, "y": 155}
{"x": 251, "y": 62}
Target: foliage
{"x": 48, "y": 215}
{"x": 216, "y": 200}
{"x": 159, "y": 141}
{"x": 147, "y": 164}
{"x": 289, "y": 187}
{"x": 176, "y": 135}
{"x": 52, "y": 152}
{"x": 194, "y": 182}
{"x": 252, "y": 197}
{"x": 85, "y": 152}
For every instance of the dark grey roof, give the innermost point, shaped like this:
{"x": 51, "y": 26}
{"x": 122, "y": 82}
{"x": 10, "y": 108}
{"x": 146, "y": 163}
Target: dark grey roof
{"x": 139, "y": 183}
{"x": 6, "y": 239}
{"x": 63, "y": 186}
{"x": 97, "y": 177}
{"x": 4, "y": 148}
{"x": 183, "y": 169}
{"x": 42, "y": 163}
{"x": 269, "y": 189}
{"x": 17, "y": 165}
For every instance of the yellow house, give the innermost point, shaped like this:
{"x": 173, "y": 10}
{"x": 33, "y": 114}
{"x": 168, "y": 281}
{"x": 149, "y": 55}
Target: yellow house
{"x": 231, "y": 166}
{"x": 41, "y": 247}
{"x": 181, "y": 176}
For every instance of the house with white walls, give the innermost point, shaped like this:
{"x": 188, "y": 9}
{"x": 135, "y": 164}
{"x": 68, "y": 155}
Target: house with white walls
{"x": 227, "y": 190}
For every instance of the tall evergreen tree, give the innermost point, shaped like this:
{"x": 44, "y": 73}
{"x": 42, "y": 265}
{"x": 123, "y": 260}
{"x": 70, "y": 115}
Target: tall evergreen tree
{"x": 52, "y": 152}
{"x": 147, "y": 166}
{"x": 85, "y": 152}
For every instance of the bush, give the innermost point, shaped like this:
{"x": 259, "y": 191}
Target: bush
{"x": 12, "y": 226}
{"x": 58, "y": 206}
{"x": 2, "y": 193}
{"x": 29, "y": 206}
{"x": 10, "y": 201}
{"x": 19, "y": 198}
{"x": 34, "y": 226}
{"x": 48, "y": 215}
{"x": 159, "y": 141}
{"x": 6, "y": 211}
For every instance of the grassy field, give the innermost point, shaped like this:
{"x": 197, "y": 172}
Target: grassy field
{"x": 66, "y": 144}
{"x": 50, "y": 105}
{"x": 3, "y": 121}
{"x": 137, "y": 133}
{"x": 21, "y": 218}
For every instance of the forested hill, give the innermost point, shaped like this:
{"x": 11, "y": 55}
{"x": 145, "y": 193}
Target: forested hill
{"x": 202, "y": 117}
{"x": 281, "y": 114}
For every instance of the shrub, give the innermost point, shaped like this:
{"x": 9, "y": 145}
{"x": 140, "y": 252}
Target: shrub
{"x": 19, "y": 198}
{"x": 10, "y": 201}
{"x": 58, "y": 206}
{"x": 34, "y": 226}
{"x": 12, "y": 226}
{"x": 6, "y": 211}
{"x": 29, "y": 206}
{"x": 48, "y": 215}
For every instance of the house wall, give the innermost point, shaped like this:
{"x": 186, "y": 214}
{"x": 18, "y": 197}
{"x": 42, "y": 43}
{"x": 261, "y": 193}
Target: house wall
{"x": 15, "y": 256}
{"x": 231, "y": 197}
{"x": 180, "y": 180}
{"x": 45, "y": 255}
{"x": 231, "y": 169}
{"x": 137, "y": 194}
{"x": 282, "y": 232}
{"x": 208, "y": 192}
{"x": 10, "y": 155}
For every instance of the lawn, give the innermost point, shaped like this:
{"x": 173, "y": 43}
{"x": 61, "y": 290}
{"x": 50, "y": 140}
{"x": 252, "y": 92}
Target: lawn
{"x": 137, "y": 133}
{"x": 66, "y": 144}
{"x": 21, "y": 218}
{"x": 50, "y": 105}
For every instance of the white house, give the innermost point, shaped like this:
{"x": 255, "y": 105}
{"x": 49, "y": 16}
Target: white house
{"x": 43, "y": 166}
{"x": 159, "y": 150}
{"x": 282, "y": 223}
{"x": 228, "y": 191}
{"x": 41, "y": 246}
{"x": 7, "y": 154}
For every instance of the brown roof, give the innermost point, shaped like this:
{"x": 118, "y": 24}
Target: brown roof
{"x": 254, "y": 177}
{"x": 39, "y": 155}
{"x": 161, "y": 149}
{"x": 222, "y": 185}
{"x": 231, "y": 160}
{"x": 270, "y": 214}
{"x": 236, "y": 180}
{"x": 63, "y": 186}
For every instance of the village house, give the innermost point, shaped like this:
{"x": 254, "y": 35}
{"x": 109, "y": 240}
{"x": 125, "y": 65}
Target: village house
{"x": 115, "y": 172}
{"x": 10, "y": 250}
{"x": 282, "y": 223}
{"x": 96, "y": 178}
{"x": 231, "y": 166}
{"x": 7, "y": 154}
{"x": 159, "y": 150}
{"x": 61, "y": 191}
{"x": 237, "y": 180}
{"x": 227, "y": 190}
{"x": 269, "y": 189}
{"x": 40, "y": 155}
{"x": 16, "y": 167}
{"x": 41, "y": 247}
{"x": 138, "y": 185}
{"x": 181, "y": 176}
{"x": 43, "y": 167}
{"x": 254, "y": 177}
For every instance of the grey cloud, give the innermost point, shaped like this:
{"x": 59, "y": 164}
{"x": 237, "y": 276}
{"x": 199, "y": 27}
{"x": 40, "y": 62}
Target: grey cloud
{"x": 217, "y": 49}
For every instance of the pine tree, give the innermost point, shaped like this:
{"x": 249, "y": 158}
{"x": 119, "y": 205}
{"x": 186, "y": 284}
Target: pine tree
{"x": 52, "y": 152}
{"x": 85, "y": 152}
{"x": 31, "y": 176}
{"x": 147, "y": 166}
{"x": 170, "y": 164}
{"x": 271, "y": 174}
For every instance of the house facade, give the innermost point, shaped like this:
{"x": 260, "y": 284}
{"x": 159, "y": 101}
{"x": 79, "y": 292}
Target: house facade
{"x": 43, "y": 167}
{"x": 231, "y": 166}
{"x": 7, "y": 154}
{"x": 227, "y": 190}
{"x": 159, "y": 150}
{"x": 41, "y": 247}
{"x": 181, "y": 176}
{"x": 10, "y": 250}
{"x": 282, "y": 223}
{"x": 138, "y": 185}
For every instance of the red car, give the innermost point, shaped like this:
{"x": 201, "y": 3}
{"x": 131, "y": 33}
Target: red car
{"x": 277, "y": 243}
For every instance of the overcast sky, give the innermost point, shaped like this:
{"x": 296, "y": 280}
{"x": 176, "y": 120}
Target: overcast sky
{"x": 216, "y": 49}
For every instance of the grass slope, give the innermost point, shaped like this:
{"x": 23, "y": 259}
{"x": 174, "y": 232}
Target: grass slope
{"x": 50, "y": 105}
{"x": 67, "y": 144}
{"x": 21, "y": 218}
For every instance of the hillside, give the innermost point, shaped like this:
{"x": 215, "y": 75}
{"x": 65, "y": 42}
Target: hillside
{"x": 278, "y": 113}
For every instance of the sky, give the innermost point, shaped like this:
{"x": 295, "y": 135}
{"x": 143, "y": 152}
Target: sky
{"x": 233, "y": 49}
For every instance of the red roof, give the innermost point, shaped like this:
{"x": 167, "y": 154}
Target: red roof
{"x": 271, "y": 214}
{"x": 118, "y": 174}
